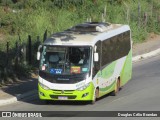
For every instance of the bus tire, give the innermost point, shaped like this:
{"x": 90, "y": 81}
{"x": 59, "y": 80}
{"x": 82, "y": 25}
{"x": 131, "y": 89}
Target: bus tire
{"x": 116, "y": 88}
{"x": 96, "y": 95}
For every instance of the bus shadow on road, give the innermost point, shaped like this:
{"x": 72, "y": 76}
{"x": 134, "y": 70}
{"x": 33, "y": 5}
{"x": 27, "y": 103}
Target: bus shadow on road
{"x": 36, "y": 101}
{"x": 108, "y": 95}
{"x": 66, "y": 103}
{"x": 76, "y": 103}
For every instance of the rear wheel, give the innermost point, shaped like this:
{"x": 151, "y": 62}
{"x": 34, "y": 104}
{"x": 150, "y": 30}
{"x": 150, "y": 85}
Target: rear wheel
{"x": 96, "y": 95}
{"x": 116, "y": 89}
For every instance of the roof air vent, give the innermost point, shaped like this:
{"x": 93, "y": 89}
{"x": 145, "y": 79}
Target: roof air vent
{"x": 91, "y": 27}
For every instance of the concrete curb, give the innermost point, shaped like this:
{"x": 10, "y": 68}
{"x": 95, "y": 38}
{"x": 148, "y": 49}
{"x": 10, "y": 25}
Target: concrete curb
{"x": 34, "y": 92}
{"x": 146, "y": 55}
{"x": 18, "y": 98}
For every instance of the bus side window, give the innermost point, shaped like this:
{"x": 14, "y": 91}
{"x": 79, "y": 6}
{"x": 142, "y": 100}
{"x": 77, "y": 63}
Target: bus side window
{"x": 126, "y": 42}
{"x": 114, "y": 47}
{"x": 97, "y": 65}
{"x": 106, "y": 55}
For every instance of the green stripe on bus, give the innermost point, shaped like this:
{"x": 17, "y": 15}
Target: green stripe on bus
{"x": 108, "y": 71}
{"x": 126, "y": 72}
{"x": 107, "y": 88}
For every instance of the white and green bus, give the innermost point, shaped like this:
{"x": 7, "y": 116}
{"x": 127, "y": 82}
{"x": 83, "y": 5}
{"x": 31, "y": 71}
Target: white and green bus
{"x": 85, "y": 62}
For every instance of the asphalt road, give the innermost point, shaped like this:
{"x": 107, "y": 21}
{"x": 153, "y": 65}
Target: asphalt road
{"x": 141, "y": 93}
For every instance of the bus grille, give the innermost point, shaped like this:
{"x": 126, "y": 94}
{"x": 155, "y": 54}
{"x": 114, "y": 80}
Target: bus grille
{"x": 63, "y": 91}
{"x": 69, "y": 97}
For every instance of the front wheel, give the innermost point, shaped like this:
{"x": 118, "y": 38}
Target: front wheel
{"x": 96, "y": 95}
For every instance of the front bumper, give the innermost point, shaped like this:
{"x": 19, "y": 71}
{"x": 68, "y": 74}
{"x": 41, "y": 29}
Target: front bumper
{"x": 71, "y": 95}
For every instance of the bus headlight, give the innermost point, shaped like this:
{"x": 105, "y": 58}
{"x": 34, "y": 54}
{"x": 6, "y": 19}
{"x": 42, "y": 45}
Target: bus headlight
{"x": 44, "y": 86}
{"x": 83, "y": 87}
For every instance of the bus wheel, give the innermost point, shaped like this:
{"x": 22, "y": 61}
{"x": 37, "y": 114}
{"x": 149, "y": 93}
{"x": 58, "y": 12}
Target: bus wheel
{"x": 116, "y": 89}
{"x": 96, "y": 95}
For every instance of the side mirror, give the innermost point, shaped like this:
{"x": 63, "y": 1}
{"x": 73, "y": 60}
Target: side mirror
{"x": 38, "y": 55}
{"x": 96, "y": 57}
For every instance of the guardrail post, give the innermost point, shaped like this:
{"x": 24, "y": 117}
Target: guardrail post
{"x": 29, "y": 50}
{"x": 7, "y": 52}
{"x": 7, "y": 62}
{"x": 45, "y": 36}
{"x": 17, "y": 55}
{"x": 24, "y": 53}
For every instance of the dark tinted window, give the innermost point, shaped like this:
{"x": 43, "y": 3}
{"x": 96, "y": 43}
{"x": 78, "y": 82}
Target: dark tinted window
{"x": 97, "y": 65}
{"x": 115, "y": 47}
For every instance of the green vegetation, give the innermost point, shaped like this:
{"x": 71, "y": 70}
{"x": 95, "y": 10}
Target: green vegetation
{"x": 20, "y": 18}
{"x": 33, "y": 17}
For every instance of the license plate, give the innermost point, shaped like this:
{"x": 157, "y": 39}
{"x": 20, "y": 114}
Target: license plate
{"x": 62, "y": 98}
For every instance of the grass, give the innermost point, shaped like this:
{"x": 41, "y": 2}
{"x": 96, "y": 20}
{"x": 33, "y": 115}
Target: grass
{"x": 33, "y": 17}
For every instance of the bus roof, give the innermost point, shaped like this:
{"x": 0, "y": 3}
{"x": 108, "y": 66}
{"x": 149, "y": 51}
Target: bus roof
{"x": 86, "y": 34}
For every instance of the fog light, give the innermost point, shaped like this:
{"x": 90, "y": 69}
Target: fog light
{"x": 41, "y": 93}
{"x": 84, "y": 95}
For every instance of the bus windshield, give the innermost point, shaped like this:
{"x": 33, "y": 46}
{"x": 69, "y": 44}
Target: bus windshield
{"x": 65, "y": 60}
